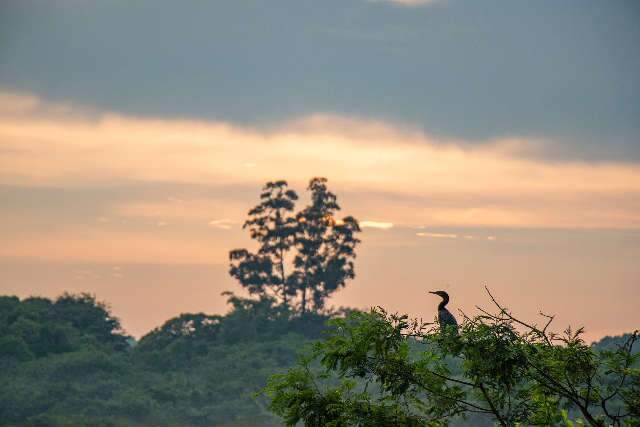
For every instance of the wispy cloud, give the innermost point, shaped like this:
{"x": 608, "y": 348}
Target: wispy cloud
{"x": 451, "y": 235}
{"x": 85, "y": 274}
{"x": 376, "y": 224}
{"x": 437, "y": 235}
{"x": 11, "y": 103}
{"x": 223, "y": 224}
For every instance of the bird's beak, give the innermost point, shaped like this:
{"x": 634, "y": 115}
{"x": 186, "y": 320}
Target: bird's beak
{"x": 432, "y": 292}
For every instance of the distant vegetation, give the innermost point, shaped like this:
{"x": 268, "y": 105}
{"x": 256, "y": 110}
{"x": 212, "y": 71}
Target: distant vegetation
{"x": 68, "y": 362}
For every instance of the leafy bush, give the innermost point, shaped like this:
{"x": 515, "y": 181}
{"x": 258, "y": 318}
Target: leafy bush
{"x": 514, "y": 372}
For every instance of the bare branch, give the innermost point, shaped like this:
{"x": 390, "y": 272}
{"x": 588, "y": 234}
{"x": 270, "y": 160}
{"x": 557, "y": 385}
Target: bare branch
{"x": 506, "y": 312}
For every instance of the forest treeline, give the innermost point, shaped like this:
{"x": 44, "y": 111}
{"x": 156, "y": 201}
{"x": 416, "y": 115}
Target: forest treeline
{"x": 67, "y": 362}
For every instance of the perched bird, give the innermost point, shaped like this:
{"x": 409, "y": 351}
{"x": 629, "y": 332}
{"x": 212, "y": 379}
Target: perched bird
{"x": 445, "y": 318}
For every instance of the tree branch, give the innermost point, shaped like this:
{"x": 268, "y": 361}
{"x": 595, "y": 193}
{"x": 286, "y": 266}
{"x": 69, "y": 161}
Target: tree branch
{"x": 494, "y": 410}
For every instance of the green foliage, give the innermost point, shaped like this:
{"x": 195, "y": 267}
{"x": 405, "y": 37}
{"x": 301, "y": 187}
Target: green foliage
{"x": 376, "y": 368}
{"x": 37, "y": 327}
{"x": 194, "y": 370}
{"x": 614, "y": 343}
{"x": 55, "y": 355}
{"x": 372, "y": 369}
{"x": 372, "y": 349}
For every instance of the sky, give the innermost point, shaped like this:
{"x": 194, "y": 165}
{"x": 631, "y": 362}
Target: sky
{"x": 492, "y": 143}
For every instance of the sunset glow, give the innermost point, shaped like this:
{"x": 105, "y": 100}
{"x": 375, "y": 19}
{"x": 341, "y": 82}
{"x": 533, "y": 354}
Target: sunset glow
{"x": 475, "y": 146}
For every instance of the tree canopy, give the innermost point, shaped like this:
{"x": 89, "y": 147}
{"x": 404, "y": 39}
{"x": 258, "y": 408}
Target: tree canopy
{"x": 302, "y": 257}
{"x": 195, "y": 370}
{"x": 383, "y": 369}
{"x": 37, "y": 327}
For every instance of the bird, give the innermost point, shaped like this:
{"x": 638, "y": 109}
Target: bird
{"x": 445, "y": 318}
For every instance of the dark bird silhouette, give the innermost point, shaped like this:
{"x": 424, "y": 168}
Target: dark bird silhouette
{"x": 445, "y": 318}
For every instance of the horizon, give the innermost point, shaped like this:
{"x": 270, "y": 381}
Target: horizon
{"x": 494, "y": 145}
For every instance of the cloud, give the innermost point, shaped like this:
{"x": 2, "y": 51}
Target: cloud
{"x": 437, "y": 235}
{"x": 15, "y": 104}
{"x": 84, "y": 274}
{"x": 12, "y": 103}
{"x": 399, "y": 173}
{"x": 223, "y": 224}
{"x": 193, "y": 209}
{"x": 450, "y": 68}
{"x": 376, "y": 224}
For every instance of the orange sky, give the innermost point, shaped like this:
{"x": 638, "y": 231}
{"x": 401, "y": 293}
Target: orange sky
{"x": 142, "y": 211}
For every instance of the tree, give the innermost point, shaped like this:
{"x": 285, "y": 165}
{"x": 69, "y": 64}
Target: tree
{"x": 37, "y": 327}
{"x": 91, "y": 317}
{"x": 325, "y": 245}
{"x": 272, "y": 224}
{"x": 381, "y": 369}
{"x": 320, "y": 247}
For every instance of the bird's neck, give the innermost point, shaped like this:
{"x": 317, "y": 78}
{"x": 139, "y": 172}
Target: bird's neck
{"x": 443, "y": 303}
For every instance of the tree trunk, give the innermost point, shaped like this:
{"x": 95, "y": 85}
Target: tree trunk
{"x": 588, "y": 417}
{"x": 304, "y": 299}
{"x": 282, "y": 275}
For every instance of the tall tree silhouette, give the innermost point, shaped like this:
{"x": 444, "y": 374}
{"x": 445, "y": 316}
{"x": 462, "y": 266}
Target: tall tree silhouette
{"x": 325, "y": 247}
{"x": 273, "y": 225}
